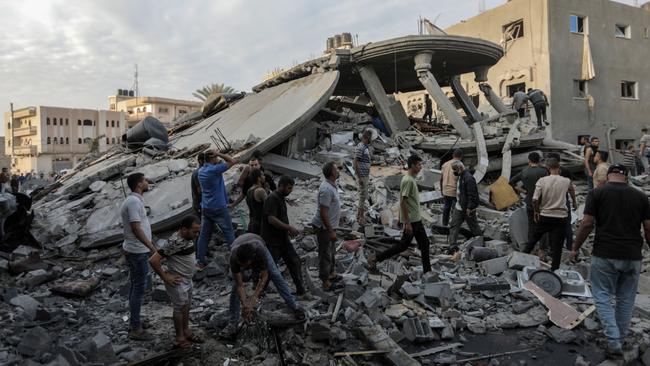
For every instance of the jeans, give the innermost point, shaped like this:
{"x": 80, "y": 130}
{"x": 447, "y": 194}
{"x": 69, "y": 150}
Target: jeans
{"x": 568, "y": 228}
{"x": 274, "y": 276}
{"x": 288, "y": 254}
{"x": 423, "y": 243}
{"x": 614, "y": 280}
{"x": 446, "y": 209}
{"x": 555, "y": 227}
{"x": 457, "y": 220}
{"x": 326, "y": 252}
{"x": 138, "y": 272}
{"x": 590, "y": 181}
{"x": 210, "y": 217}
{"x": 540, "y": 113}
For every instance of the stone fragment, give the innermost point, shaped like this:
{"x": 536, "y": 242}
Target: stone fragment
{"x": 97, "y": 186}
{"x": 319, "y": 331}
{"x": 590, "y": 324}
{"x": 102, "y": 348}
{"x": 439, "y": 292}
{"x": 580, "y": 361}
{"x": 519, "y": 260}
{"x": 560, "y": 335}
{"x": 410, "y": 291}
{"x": 447, "y": 333}
{"x": 487, "y": 284}
{"x": 477, "y": 327}
{"x": 27, "y": 303}
{"x": 502, "y": 247}
{"x": 495, "y": 266}
{"x": 37, "y": 277}
{"x": 4, "y": 265}
{"x": 418, "y": 330}
{"x": 22, "y": 251}
{"x": 35, "y": 341}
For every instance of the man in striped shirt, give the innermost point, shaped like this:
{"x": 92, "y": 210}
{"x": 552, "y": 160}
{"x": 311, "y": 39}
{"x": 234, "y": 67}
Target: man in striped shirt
{"x": 629, "y": 159}
{"x": 361, "y": 164}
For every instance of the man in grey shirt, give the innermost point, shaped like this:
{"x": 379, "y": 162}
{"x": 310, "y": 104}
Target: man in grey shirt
{"x": 519, "y": 101}
{"x": 325, "y": 221}
{"x": 181, "y": 265}
{"x": 138, "y": 248}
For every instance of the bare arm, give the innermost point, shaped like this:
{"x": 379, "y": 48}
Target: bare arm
{"x": 155, "y": 262}
{"x": 261, "y": 284}
{"x": 324, "y": 216}
{"x": 241, "y": 292}
{"x": 572, "y": 193}
{"x": 586, "y": 162}
{"x": 646, "y": 230}
{"x": 139, "y": 234}
{"x": 229, "y": 160}
{"x": 355, "y": 165}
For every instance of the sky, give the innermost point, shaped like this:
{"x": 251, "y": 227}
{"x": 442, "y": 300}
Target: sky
{"x": 75, "y": 54}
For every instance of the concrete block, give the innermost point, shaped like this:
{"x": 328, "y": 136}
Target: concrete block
{"x": 295, "y": 168}
{"x": 519, "y": 260}
{"x": 439, "y": 292}
{"x": 27, "y": 303}
{"x": 369, "y": 299}
{"x": 410, "y": 291}
{"x": 22, "y": 251}
{"x": 427, "y": 179}
{"x": 102, "y": 348}
{"x": 502, "y": 247}
{"x": 418, "y": 330}
{"x": 487, "y": 284}
{"x": 495, "y": 266}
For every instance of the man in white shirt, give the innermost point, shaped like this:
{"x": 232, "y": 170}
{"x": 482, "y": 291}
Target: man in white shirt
{"x": 550, "y": 210}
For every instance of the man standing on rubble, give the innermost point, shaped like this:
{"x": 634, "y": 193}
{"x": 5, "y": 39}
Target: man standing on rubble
{"x": 519, "y": 101}
{"x": 276, "y": 231}
{"x": 549, "y": 203}
{"x": 361, "y": 164}
{"x": 448, "y": 183}
{"x": 410, "y": 217}
{"x": 617, "y": 210}
{"x": 214, "y": 203}
{"x": 255, "y": 198}
{"x": 540, "y": 102}
{"x": 179, "y": 257}
{"x": 250, "y": 252}
{"x": 196, "y": 185}
{"x": 590, "y": 164}
{"x": 466, "y": 203}
{"x": 600, "y": 173}
{"x": 644, "y": 145}
{"x": 326, "y": 221}
{"x": 529, "y": 177}
{"x": 428, "y": 108}
{"x": 137, "y": 247}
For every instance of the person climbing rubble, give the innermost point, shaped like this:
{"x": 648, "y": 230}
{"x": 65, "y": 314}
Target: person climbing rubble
{"x": 361, "y": 163}
{"x": 466, "y": 204}
{"x": 617, "y": 211}
{"x": 529, "y": 177}
{"x": 550, "y": 215}
{"x": 249, "y": 251}
{"x": 178, "y": 255}
{"x": 214, "y": 202}
{"x": 410, "y": 217}
{"x": 519, "y": 102}
{"x": 276, "y": 231}
{"x": 137, "y": 247}
{"x": 326, "y": 220}
{"x": 540, "y": 102}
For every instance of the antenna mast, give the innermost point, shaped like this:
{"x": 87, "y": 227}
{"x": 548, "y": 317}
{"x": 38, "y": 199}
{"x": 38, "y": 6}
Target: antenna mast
{"x": 135, "y": 81}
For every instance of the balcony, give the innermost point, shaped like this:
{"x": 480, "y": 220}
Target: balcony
{"x": 25, "y": 131}
{"x": 24, "y": 150}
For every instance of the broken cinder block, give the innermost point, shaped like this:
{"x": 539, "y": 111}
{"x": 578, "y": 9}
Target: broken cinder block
{"x": 418, "y": 330}
{"x": 519, "y": 260}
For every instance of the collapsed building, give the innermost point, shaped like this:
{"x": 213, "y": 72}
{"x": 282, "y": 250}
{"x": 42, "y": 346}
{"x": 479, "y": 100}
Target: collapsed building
{"x": 301, "y": 118}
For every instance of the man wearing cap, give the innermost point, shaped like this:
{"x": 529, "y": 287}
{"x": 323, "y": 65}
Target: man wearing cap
{"x": 550, "y": 210}
{"x": 214, "y": 202}
{"x": 617, "y": 210}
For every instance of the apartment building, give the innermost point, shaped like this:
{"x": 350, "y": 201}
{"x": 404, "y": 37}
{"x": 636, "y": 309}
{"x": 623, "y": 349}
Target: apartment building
{"x": 588, "y": 56}
{"x": 166, "y": 110}
{"x": 50, "y": 139}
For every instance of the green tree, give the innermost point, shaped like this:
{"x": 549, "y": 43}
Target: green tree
{"x": 93, "y": 144}
{"x": 205, "y": 92}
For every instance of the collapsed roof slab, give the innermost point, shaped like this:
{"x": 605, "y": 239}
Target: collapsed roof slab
{"x": 270, "y": 116}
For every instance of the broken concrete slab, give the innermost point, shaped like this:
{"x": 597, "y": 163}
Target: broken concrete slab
{"x": 519, "y": 260}
{"x": 377, "y": 338}
{"x": 495, "y": 266}
{"x": 560, "y": 335}
{"x": 294, "y": 168}
{"x": 35, "y": 341}
{"x": 417, "y": 330}
{"x": 518, "y": 223}
{"x": 560, "y": 313}
{"x": 27, "y": 303}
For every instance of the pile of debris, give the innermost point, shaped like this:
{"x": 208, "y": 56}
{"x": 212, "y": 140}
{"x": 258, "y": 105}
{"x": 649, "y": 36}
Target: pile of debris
{"x": 64, "y": 299}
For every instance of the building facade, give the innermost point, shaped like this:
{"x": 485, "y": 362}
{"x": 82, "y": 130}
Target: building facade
{"x": 588, "y": 56}
{"x": 137, "y": 108}
{"x": 49, "y": 139}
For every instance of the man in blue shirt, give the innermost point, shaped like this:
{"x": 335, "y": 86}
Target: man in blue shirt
{"x": 214, "y": 202}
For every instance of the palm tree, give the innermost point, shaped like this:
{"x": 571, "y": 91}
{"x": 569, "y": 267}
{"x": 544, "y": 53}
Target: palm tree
{"x": 93, "y": 144}
{"x": 205, "y": 92}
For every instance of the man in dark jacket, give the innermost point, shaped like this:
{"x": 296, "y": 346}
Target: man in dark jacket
{"x": 465, "y": 209}
{"x": 540, "y": 102}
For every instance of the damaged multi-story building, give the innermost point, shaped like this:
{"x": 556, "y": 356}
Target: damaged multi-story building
{"x": 588, "y": 56}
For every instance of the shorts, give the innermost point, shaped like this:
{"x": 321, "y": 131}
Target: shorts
{"x": 181, "y": 294}
{"x": 363, "y": 191}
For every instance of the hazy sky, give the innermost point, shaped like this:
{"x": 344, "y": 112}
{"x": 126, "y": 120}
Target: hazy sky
{"x": 76, "y": 53}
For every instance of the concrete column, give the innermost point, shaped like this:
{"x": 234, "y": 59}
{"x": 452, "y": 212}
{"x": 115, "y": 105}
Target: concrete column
{"x": 423, "y": 67}
{"x": 481, "y": 151}
{"x": 494, "y": 99}
{"x": 393, "y": 120}
{"x": 464, "y": 99}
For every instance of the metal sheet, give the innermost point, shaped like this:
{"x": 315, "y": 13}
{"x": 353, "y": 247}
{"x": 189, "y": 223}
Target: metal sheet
{"x": 272, "y": 115}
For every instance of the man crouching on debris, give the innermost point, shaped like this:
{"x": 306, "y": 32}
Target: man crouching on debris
{"x": 617, "y": 210}
{"x": 326, "y": 221}
{"x": 411, "y": 218}
{"x": 249, "y": 252}
{"x": 466, "y": 203}
{"x": 138, "y": 248}
{"x": 179, "y": 258}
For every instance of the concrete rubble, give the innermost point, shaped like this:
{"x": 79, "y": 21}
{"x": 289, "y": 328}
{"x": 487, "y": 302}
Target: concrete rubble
{"x": 65, "y": 302}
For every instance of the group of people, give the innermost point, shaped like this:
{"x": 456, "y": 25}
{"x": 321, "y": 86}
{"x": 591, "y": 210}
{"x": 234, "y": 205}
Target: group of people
{"x": 549, "y": 199}
{"x": 537, "y": 98}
